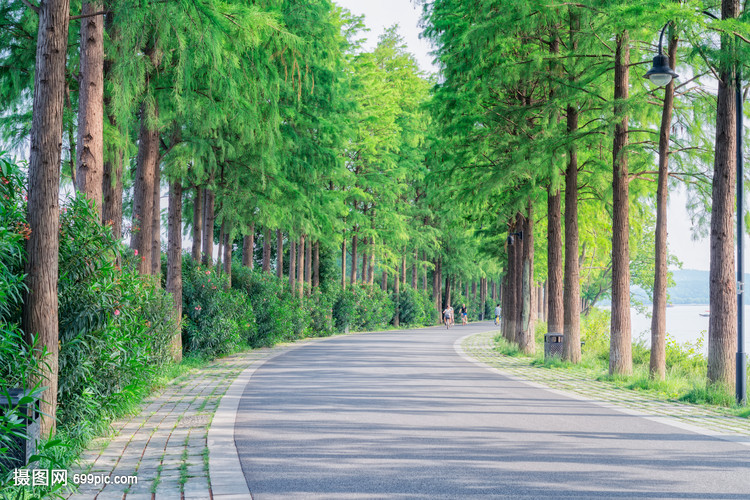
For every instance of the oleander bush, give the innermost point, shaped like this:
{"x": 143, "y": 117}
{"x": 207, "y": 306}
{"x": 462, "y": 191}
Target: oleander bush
{"x": 415, "y": 307}
{"x": 217, "y": 319}
{"x": 116, "y": 327}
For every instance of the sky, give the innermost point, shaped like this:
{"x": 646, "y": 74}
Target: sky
{"x": 384, "y": 13}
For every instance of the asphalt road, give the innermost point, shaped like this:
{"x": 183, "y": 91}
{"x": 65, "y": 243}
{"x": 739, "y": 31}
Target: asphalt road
{"x": 401, "y": 415}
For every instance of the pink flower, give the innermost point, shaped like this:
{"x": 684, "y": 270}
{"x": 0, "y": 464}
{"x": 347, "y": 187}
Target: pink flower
{"x": 136, "y": 251}
{"x": 117, "y": 312}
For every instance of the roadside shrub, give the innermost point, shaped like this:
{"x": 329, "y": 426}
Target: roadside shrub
{"x": 415, "y": 307}
{"x": 217, "y": 320}
{"x": 115, "y": 327}
{"x": 272, "y": 304}
{"x": 373, "y": 307}
{"x": 344, "y": 309}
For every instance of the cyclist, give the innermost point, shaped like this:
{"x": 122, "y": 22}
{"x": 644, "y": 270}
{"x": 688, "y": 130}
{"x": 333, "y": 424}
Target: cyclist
{"x": 464, "y": 318}
{"x": 497, "y": 314}
{"x": 447, "y": 316}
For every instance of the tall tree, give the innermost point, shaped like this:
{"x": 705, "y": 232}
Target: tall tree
{"x": 41, "y": 305}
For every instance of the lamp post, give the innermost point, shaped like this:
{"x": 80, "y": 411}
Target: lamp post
{"x": 661, "y": 74}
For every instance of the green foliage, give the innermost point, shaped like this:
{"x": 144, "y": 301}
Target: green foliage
{"x": 415, "y": 307}
{"x": 115, "y": 328}
{"x": 13, "y": 231}
{"x": 217, "y": 320}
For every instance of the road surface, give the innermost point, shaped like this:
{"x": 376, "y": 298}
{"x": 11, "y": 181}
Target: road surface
{"x": 401, "y": 415}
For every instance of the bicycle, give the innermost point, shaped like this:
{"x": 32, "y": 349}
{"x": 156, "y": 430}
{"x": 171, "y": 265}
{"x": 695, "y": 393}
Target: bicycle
{"x": 497, "y": 320}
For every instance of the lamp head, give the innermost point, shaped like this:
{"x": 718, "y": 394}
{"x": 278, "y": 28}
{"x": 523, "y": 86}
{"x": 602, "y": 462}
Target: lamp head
{"x": 660, "y": 73}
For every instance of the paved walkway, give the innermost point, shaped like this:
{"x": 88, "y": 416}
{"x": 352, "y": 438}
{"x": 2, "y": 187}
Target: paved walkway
{"x": 166, "y": 445}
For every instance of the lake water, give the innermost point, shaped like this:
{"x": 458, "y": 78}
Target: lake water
{"x": 684, "y": 324}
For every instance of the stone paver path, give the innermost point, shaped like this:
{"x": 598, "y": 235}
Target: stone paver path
{"x": 718, "y": 420}
{"x": 165, "y": 445}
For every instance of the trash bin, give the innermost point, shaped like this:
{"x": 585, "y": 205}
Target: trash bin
{"x": 19, "y": 449}
{"x": 553, "y": 345}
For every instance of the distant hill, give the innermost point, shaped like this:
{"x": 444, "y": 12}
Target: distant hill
{"x": 691, "y": 287}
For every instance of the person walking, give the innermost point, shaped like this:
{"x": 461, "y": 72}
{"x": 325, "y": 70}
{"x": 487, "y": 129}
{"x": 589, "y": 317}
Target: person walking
{"x": 497, "y": 314}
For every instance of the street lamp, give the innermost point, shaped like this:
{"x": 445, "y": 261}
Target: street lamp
{"x": 661, "y": 74}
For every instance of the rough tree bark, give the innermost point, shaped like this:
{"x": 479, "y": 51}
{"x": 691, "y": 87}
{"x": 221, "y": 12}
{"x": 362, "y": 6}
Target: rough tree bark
{"x": 292, "y": 263}
{"x": 722, "y": 324}
{"x": 174, "y": 261}
{"x": 397, "y": 294}
{"x": 248, "y": 248}
{"x": 279, "y": 254}
{"x": 156, "y": 227}
{"x": 41, "y": 305}
{"x": 208, "y": 227}
{"x": 267, "y": 251}
{"x": 353, "y": 278}
{"x": 301, "y": 265}
{"x": 658, "y": 357}
{"x": 343, "y": 263}
{"x": 143, "y": 190}
{"x": 571, "y": 285}
{"x": 197, "y": 223}
{"x": 308, "y": 266}
{"x": 526, "y": 331}
{"x": 228, "y": 255}
{"x": 414, "y": 270}
{"x": 90, "y": 142}
{"x": 620, "y": 344}
{"x": 316, "y": 265}
{"x": 554, "y": 313}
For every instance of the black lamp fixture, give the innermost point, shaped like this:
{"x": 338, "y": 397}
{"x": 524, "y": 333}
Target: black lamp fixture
{"x": 512, "y": 236}
{"x": 660, "y": 73}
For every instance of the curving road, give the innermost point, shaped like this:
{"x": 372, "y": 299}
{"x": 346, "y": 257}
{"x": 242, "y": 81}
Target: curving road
{"x": 400, "y": 415}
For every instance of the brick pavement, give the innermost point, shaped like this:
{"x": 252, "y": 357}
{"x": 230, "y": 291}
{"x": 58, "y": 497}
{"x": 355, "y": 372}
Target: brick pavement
{"x": 166, "y": 445}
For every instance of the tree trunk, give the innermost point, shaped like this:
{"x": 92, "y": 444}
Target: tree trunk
{"x": 365, "y": 261}
{"x": 414, "y": 270}
{"x": 90, "y": 142}
{"x": 292, "y": 263}
{"x": 208, "y": 227}
{"x": 620, "y": 345}
{"x": 301, "y": 265}
{"x": 473, "y": 290}
{"x": 197, "y": 224}
{"x": 308, "y": 266}
{"x": 112, "y": 175}
{"x": 526, "y": 331}
{"x": 220, "y": 253}
{"x": 384, "y": 281}
{"x": 403, "y": 267}
{"x": 571, "y": 285}
{"x": 143, "y": 191}
{"x": 316, "y": 265}
{"x": 397, "y": 294}
{"x": 658, "y": 358}
{"x": 722, "y": 325}
{"x": 353, "y": 278}
{"x": 267, "y": 251}
{"x": 248, "y": 248}
{"x": 228, "y": 256}
{"x": 371, "y": 267}
{"x": 174, "y": 262}
{"x": 343, "y": 263}
{"x": 554, "y": 263}
{"x": 41, "y": 305}
{"x": 279, "y": 254}
{"x": 424, "y": 271}
{"x": 447, "y": 300}
{"x": 156, "y": 228}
